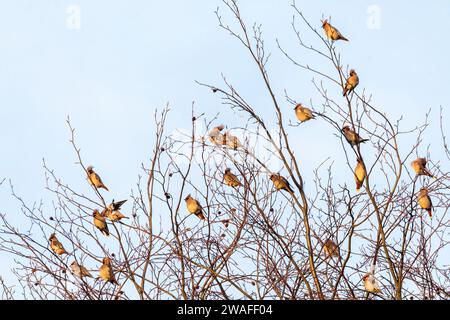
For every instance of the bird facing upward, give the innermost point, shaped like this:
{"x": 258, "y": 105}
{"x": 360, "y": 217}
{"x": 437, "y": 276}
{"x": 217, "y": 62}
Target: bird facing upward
{"x": 331, "y": 32}
{"x": 419, "y": 166}
{"x": 352, "y": 137}
{"x": 302, "y": 113}
{"x": 194, "y": 207}
{"x": 95, "y": 179}
{"x": 281, "y": 183}
{"x": 360, "y": 174}
{"x": 425, "y": 201}
{"x": 230, "y": 179}
{"x": 56, "y": 246}
{"x": 352, "y": 82}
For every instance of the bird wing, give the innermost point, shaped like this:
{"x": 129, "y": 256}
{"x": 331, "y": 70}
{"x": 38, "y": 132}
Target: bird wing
{"x": 117, "y": 205}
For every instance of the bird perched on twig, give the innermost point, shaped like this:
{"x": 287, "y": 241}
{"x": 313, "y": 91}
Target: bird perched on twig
{"x": 419, "y": 166}
{"x": 331, "y": 32}
{"x": 56, "y": 246}
{"x": 95, "y": 179}
{"x": 100, "y": 222}
{"x": 194, "y": 207}
{"x": 360, "y": 174}
{"x": 112, "y": 211}
{"x": 281, "y": 183}
{"x": 331, "y": 249}
{"x": 352, "y": 82}
{"x": 79, "y": 271}
{"x": 106, "y": 271}
{"x": 216, "y": 137}
{"x": 425, "y": 201}
{"x": 371, "y": 284}
{"x": 302, "y": 113}
{"x": 352, "y": 137}
{"x": 232, "y": 141}
{"x": 230, "y": 179}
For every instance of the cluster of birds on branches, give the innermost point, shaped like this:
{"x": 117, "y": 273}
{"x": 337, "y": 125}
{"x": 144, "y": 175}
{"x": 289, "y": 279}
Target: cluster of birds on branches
{"x": 303, "y": 114}
{"x": 110, "y": 212}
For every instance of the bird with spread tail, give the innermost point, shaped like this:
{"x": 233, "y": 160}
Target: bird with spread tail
{"x": 360, "y": 174}
{"x": 424, "y": 201}
{"x": 331, "y": 32}
{"x": 331, "y": 249}
{"x": 230, "y": 179}
{"x": 106, "y": 271}
{"x": 94, "y": 178}
{"x": 79, "y": 271}
{"x": 281, "y": 183}
{"x": 352, "y": 137}
{"x": 112, "y": 211}
{"x": 371, "y": 284}
{"x": 419, "y": 167}
{"x": 352, "y": 83}
{"x": 302, "y": 113}
{"x": 100, "y": 222}
{"x": 194, "y": 207}
{"x": 56, "y": 246}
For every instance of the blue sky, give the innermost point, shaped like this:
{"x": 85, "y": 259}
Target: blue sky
{"x": 130, "y": 57}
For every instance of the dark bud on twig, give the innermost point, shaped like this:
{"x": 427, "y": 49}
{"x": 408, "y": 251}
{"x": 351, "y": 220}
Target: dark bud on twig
{"x": 51, "y": 218}
{"x": 162, "y": 149}
{"x": 167, "y": 195}
{"x": 214, "y": 90}
{"x": 194, "y": 118}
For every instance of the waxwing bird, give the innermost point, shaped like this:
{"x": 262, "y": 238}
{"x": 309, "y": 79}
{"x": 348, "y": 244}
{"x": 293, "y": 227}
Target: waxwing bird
{"x": 425, "y": 201}
{"x": 56, "y": 246}
{"x": 112, "y": 211}
{"x": 281, "y": 183}
{"x": 79, "y": 271}
{"x": 216, "y": 137}
{"x": 106, "y": 271}
{"x": 419, "y": 166}
{"x": 232, "y": 141}
{"x": 95, "y": 179}
{"x": 230, "y": 179}
{"x": 194, "y": 207}
{"x": 331, "y": 249}
{"x": 302, "y": 113}
{"x": 100, "y": 222}
{"x": 352, "y": 82}
{"x": 331, "y": 32}
{"x": 360, "y": 174}
{"x": 371, "y": 284}
{"x": 352, "y": 137}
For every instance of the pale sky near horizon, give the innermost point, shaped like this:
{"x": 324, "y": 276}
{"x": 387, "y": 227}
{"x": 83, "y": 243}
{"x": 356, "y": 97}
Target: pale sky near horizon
{"x": 130, "y": 57}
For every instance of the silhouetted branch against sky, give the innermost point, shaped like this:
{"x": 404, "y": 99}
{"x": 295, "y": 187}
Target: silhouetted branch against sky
{"x": 224, "y": 150}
